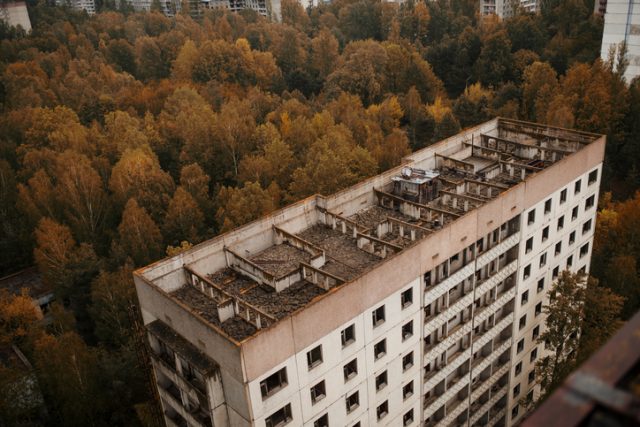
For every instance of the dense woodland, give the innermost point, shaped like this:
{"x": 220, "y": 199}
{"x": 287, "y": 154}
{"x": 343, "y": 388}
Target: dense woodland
{"x": 128, "y": 136}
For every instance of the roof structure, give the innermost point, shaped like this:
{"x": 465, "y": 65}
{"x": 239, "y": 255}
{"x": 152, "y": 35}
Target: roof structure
{"x": 252, "y": 277}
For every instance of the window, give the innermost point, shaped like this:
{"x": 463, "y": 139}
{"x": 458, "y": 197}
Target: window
{"x": 407, "y": 330}
{"x": 529, "y": 245}
{"x": 561, "y": 223}
{"x": 527, "y": 272}
{"x": 407, "y": 361}
{"x": 314, "y": 357}
{"x": 514, "y": 412}
{"x": 593, "y": 177}
{"x": 348, "y": 335}
{"x": 590, "y": 202}
{"x": 406, "y": 298}
{"x": 407, "y": 418}
{"x": 382, "y": 410}
{"x": 586, "y": 227}
{"x": 520, "y": 346}
{"x": 536, "y": 333}
{"x": 545, "y": 233}
{"x": 380, "y": 349}
{"x": 378, "y": 316}
{"x": 547, "y": 207}
{"x": 534, "y": 355}
{"x": 407, "y": 390}
{"x": 356, "y": 424}
{"x": 323, "y": 421}
{"x": 570, "y": 261}
{"x": 516, "y": 390}
{"x": 576, "y": 186}
{"x": 318, "y": 392}
{"x": 558, "y": 248}
{"x": 353, "y": 402}
{"x": 572, "y": 238}
{"x": 279, "y": 418}
{"x": 543, "y": 259}
{"x": 381, "y": 381}
{"x": 555, "y": 272}
{"x": 563, "y": 196}
{"x": 531, "y": 217}
{"x": 524, "y": 298}
{"x": 532, "y": 376}
{"x": 584, "y": 250}
{"x": 523, "y": 322}
{"x": 538, "y": 309}
{"x": 273, "y": 383}
{"x": 574, "y": 213}
{"x": 540, "y": 287}
{"x": 518, "y": 368}
{"x": 350, "y": 370}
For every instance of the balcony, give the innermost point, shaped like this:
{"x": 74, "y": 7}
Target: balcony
{"x": 484, "y": 408}
{"x": 186, "y": 383}
{"x": 431, "y": 406}
{"x": 455, "y": 361}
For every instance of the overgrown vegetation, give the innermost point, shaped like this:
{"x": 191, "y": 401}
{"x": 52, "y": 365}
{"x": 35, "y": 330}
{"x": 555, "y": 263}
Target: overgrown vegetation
{"x": 124, "y": 135}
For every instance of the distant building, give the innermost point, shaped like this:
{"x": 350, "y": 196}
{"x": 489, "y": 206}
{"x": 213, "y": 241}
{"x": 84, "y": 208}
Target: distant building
{"x": 413, "y": 298}
{"x": 31, "y": 280}
{"x": 268, "y": 8}
{"x": 15, "y": 14}
{"x": 88, "y": 6}
{"x": 622, "y": 24}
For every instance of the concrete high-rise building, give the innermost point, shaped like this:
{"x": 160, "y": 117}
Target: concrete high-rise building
{"x": 412, "y": 298}
{"x": 88, "y": 6}
{"x": 15, "y": 14}
{"x": 622, "y": 24}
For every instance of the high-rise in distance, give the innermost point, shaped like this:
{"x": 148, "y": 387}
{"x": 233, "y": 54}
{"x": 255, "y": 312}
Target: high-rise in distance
{"x": 412, "y": 298}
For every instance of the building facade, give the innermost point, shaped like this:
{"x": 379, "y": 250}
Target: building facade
{"x": 412, "y": 298}
{"x": 622, "y": 25}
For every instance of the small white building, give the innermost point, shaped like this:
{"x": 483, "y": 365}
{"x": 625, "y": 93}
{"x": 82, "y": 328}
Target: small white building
{"x": 15, "y": 14}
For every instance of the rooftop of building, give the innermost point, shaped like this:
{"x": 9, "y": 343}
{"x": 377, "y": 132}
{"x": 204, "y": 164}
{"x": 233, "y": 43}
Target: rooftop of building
{"x": 29, "y": 279}
{"x": 252, "y": 277}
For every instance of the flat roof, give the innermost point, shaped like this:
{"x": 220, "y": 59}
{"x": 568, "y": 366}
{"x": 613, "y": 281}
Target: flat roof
{"x": 276, "y": 266}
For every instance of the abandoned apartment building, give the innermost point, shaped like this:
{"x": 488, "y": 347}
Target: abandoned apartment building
{"x": 412, "y": 298}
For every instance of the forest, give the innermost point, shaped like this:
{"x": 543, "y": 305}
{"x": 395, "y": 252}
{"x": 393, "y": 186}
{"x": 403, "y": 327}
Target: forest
{"x": 126, "y": 137}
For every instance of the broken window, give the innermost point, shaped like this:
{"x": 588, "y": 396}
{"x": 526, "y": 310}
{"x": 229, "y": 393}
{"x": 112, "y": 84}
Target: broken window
{"x": 314, "y": 357}
{"x": 590, "y": 202}
{"x": 350, "y": 370}
{"x": 353, "y": 402}
{"x": 407, "y": 330}
{"x": 563, "y": 196}
{"x": 529, "y": 245}
{"x": 323, "y": 421}
{"x": 593, "y": 177}
{"x": 406, "y": 298}
{"x": 561, "y": 223}
{"x": 407, "y": 361}
{"x": 273, "y": 383}
{"x": 407, "y": 390}
{"x": 586, "y": 227}
{"x": 547, "y": 206}
{"x": 577, "y": 186}
{"x": 348, "y": 335}
{"x": 584, "y": 250}
{"x": 407, "y": 418}
{"x": 531, "y": 217}
{"x": 381, "y": 381}
{"x": 318, "y": 392}
{"x": 380, "y": 349}
{"x": 377, "y": 316}
{"x": 279, "y": 418}
{"x": 545, "y": 233}
{"x": 382, "y": 410}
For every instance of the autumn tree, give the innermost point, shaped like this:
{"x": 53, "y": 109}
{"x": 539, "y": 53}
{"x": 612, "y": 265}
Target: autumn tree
{"x": 184, "y": 219}
{"x": 138, "y": 175}
{"x": 113, "y": 297}
{"x": 138, "y": 236}
{"x": 241, "y": 205}
{"x": 580, "y": 316}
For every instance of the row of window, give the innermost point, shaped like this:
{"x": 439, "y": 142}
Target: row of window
{"x": 593, "y": 177}
{"x": 278, "y": 380}
{"x": 352, "y": 402}
{"x": 584, "y": 250}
